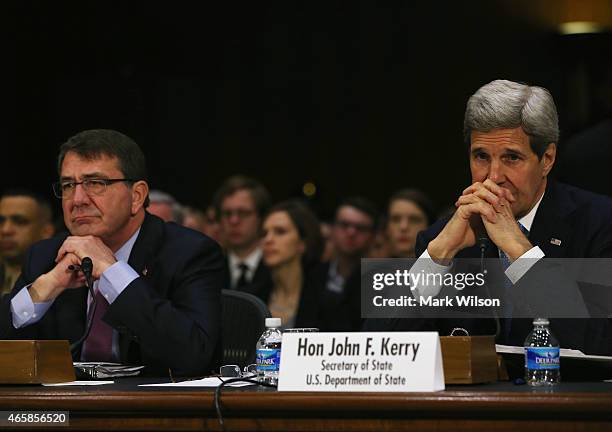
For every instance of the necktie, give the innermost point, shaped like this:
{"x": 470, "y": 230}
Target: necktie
{"x": 242, "y": 279}
{"x": 99, "y": 343}
{"x": 508, "y": 307}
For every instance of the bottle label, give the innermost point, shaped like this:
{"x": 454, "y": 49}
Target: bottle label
{"x": 268, "y": 359}
{"x": 542, "y": 357}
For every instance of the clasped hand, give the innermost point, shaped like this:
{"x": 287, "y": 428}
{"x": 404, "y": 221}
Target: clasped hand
{"x": 482, "y": 207}
{"x": 49, "y": 285}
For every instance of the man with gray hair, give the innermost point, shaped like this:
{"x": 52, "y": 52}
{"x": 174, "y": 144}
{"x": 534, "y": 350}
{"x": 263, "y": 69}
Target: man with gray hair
{"x": 512, "y": 131}
{"x": 513, "y": 211}
{"x": 164, "y": 206}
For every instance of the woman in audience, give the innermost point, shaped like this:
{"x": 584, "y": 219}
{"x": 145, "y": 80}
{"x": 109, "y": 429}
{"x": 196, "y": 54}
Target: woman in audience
{"x": 409, "y": 212}
{"x": 292, "y": 245}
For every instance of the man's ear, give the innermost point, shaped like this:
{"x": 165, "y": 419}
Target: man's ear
{"x": 140, "y": 192}
{"x": 548, "y": 158}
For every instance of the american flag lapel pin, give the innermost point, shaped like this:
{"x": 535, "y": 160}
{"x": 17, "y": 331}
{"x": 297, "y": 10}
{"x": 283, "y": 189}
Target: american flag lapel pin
{"x": 145, "y": 271}
{"x": 555, "y": 241}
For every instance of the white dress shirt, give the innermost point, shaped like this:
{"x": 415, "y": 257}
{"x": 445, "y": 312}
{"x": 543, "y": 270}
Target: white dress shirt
{"x": 251, "y": 261}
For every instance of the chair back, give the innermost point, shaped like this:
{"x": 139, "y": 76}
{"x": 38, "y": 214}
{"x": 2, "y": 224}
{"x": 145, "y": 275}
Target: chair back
{"x": 244, "y": 317}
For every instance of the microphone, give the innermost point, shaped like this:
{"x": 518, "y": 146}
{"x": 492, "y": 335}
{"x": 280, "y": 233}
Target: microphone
{"x": 87, "y": 269}
{"x": 483, "y": 241}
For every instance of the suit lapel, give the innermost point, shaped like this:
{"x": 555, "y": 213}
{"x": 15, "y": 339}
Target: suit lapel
{"x": 552, "y": 227}
{"x": 147, "y": 244}
{"x": 142, "y": 260}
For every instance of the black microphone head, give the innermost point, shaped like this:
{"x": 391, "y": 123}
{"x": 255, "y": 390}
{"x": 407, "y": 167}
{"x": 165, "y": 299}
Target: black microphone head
{"x": 483, "y": 240}
{"x": 87, "y": 265}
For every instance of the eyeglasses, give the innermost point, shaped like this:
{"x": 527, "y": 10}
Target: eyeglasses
{"x": 360, "y": 228}
{"x": 233, "y": 371}
{"x": 65, "y": 189}
{"x": 241, "y": 213}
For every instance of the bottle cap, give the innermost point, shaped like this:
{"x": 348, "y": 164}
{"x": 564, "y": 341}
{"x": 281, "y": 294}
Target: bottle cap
{"x": 541, "y": 321}
{"x": 273, "y": 322}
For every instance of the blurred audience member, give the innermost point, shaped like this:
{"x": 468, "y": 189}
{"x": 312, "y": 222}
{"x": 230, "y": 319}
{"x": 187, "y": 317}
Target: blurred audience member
{"x": 409, "y": 212}
{"x": 194, "y": 219}
{"x": 292, "y": 246}
{"x": 338, "y": 281}
{"x": 25, "y": 218}
{"x": 241, "y": 203}
{"x": 380, "y": 246}
{"x": 585, "y": 158}
{"x": 328, "y": 248}
{"x": 212, "y": 227}
{"x": 164, "y": 205}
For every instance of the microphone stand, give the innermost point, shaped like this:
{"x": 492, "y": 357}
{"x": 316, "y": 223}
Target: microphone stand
{"x": 87, "y": 269}
{"x": 483, "y": 241}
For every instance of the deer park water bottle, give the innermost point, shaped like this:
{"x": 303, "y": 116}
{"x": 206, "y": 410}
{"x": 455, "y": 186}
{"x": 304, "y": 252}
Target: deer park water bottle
{"x": 269, "y": 352}
{"x": 542, "y": 360}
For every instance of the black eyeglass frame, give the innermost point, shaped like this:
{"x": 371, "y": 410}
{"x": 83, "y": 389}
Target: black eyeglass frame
{"x": 59, "y": 192}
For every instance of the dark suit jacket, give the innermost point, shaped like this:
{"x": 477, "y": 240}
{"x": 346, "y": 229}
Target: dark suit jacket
{"x": 260, "y": 285}
{"x": 582, "y": 221}
{"x": 168, "y": 317}
{"x": 337, "y": 311}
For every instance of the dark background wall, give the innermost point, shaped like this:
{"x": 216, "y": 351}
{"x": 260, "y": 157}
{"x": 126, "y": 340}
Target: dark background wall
{"x": 357, "y": 97}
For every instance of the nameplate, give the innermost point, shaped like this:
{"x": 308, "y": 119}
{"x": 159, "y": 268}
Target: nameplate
{"x": 361, "y": 362}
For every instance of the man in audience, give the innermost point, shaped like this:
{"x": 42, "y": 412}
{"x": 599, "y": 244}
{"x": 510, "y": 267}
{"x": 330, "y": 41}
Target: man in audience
{"x": 241, "y": 202}
{"x": 194, "y": 218}
{"x": 523, "y": 216}
{"x": 156, "y": 285}
{"x": 25, "y": 218}
{"x": 352, "y": 234}
{"x": 212, "y": 226}
{"x": 164, "y": 206}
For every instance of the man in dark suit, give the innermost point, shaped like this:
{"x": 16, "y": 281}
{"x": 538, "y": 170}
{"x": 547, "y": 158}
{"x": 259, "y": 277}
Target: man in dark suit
{"x": 241, "y": 203}
{"x": 525, "y": 219}
{"x": 25, "y": 218}
{"x": 156, "y": 285}
{"x": 338, "y": 282}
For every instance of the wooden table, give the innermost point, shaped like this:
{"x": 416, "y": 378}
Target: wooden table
{"x": 495, "y": 407}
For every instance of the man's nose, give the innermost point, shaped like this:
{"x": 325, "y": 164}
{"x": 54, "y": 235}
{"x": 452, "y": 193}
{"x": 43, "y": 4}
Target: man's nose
{"x": 351, "y": 230}
{"x": 80, "y": 196}
{"x": 234, "y": 219}
{"x": 496, "y": 172}
{"x": 6, "y": 227}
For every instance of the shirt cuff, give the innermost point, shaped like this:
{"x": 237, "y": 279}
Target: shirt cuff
{"x": 518, "y": 268}
{"x": 25, "y": 311}
{"x": 115, "y": 279}
{"x": 426, "y": 265}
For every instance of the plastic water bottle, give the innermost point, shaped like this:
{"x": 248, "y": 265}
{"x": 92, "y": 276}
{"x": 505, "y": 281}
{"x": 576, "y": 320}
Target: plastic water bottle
{"x": 542, "y": 360}
{"x": 269, "y": 352}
